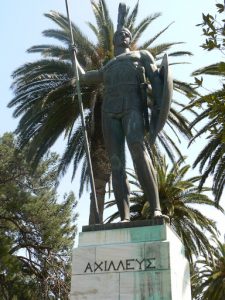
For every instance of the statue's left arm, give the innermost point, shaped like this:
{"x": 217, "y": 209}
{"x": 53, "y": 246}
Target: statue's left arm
{"x": 152, "y": 75}
{"x": 161, "y": 83}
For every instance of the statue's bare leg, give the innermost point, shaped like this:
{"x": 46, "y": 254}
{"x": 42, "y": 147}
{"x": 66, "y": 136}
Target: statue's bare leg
{"x": 115, "y": 145}
{"x": 134, "y": 128}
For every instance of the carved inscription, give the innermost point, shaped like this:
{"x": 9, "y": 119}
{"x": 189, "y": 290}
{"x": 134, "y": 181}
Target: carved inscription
{"x": 123, "y": 265}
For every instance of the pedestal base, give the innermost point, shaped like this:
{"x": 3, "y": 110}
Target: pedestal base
{"x": 130, "y": 263}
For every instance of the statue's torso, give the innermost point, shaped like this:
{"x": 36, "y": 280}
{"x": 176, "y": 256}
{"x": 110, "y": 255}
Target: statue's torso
{"x": 121, "y": 78}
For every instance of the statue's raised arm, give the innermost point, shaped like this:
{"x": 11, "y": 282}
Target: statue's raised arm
{"x": 91, "y": 77}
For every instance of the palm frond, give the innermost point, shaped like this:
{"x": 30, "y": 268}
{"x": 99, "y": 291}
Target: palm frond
{"x": 142, "y": 26}
{"x": 161, "y": 48}
{"x": 180, "y": 53}
{"x": 217, "y": 69}
{"x": 148, "y": 43}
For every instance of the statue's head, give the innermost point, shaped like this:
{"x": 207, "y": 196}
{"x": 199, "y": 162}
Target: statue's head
{"x": 122, "y": 38}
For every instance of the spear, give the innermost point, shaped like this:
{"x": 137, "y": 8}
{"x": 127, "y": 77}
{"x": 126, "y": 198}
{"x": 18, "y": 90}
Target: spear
{"x": 76, "y": 74}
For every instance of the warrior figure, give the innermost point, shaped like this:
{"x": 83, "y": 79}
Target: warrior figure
{"x": 126, "y": 78}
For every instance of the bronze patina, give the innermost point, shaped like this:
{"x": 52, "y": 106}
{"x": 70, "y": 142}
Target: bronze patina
{"x": 125, "y": 117}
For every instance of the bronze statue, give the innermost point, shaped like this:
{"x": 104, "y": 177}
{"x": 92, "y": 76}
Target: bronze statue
{"x": 124, "y": 114}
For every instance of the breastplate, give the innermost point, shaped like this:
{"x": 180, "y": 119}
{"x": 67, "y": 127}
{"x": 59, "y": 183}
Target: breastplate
{"x": 121, "y": 85}
{"x": 120, "y": 73}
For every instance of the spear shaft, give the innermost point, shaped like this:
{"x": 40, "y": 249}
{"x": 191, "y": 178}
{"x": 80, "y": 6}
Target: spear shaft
{"x": 76, "y": 73}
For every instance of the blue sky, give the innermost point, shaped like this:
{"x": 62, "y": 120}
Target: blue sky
{"x": 23, "y": 21}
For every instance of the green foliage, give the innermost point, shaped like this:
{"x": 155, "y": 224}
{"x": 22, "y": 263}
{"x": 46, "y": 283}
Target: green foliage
{"x": 208, "y": 281}
{"x": 181, "y": 201}
{"x": 36, "y": 232}
{"x": 211, "y": 159}
{"x": 214, "y": 30}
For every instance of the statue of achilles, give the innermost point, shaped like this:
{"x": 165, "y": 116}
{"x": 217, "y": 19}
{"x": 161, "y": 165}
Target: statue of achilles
{"x": 125, "y": 116}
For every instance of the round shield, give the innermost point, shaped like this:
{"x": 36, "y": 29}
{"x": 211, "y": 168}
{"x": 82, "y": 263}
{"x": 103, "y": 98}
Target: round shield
{"x": 160, "y": 111}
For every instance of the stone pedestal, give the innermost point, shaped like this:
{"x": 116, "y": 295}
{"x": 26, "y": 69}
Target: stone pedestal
{"x": 130, "y": 261}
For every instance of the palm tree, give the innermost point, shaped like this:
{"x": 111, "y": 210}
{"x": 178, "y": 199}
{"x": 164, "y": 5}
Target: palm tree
{"x": 179, "y": 198}
{"x": 46, "y": 101}
{"x": 209, "y": 280}
{"x": 211, "y": 159}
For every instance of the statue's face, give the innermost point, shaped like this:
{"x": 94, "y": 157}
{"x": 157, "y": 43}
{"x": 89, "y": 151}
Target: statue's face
{"x": 122, "y": 38}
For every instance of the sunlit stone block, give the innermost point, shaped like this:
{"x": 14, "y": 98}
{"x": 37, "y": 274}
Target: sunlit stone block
{"x": 122, "y": 262}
